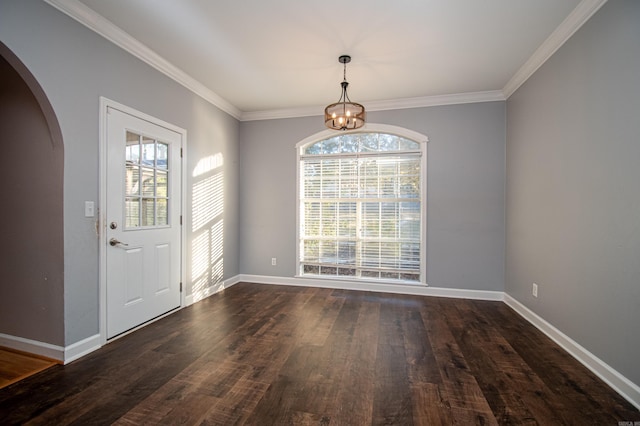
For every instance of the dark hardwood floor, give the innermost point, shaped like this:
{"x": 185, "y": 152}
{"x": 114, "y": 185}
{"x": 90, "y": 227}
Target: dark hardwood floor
{"x": 275, "y": 355}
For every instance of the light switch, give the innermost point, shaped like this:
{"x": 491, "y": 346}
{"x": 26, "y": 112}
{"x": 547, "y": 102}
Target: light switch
{"x": 89, "y": 209}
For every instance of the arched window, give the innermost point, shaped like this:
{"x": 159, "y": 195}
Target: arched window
{"x": 361, "y": 204}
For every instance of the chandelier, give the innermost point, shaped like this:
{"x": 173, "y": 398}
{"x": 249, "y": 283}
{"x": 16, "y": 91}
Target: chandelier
{"x": 344, "y": 114}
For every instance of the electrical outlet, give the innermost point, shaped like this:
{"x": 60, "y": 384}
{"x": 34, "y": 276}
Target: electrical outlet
{"x": 534, "y": 290}
{"x": 274, "y": 261}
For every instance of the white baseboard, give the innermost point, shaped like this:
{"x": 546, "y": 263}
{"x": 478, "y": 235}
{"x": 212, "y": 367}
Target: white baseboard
{"x": 626, "y": 388}
{"x": 63, "y": 354}
{"x": 32, "y": 346}
{"x": 82, "y": 348}
{"x": 413, "y": 289}
{"x": 211, "y": 290}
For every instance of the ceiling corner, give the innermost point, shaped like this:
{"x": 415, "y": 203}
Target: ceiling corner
{"x": 576, "y": 19}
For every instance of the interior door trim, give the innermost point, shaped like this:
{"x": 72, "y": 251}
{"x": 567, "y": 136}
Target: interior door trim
{"x": 101, "y": 225}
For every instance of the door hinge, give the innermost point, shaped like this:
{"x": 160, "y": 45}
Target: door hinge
{"x": 180, "y": 152}
{"x": 180, "y": 287}
{"x": 180, "y": 219}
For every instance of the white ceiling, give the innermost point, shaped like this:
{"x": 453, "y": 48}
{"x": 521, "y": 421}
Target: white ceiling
{"x": 280, "y": 57}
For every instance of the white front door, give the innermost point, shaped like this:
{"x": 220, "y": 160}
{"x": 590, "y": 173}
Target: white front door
{"x": 142, "y": 221}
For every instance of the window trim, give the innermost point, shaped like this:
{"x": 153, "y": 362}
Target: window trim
{"x": 369, "y": 128}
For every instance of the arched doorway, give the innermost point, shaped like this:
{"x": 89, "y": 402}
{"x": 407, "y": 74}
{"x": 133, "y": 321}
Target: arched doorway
{"x": 31, "y": 212}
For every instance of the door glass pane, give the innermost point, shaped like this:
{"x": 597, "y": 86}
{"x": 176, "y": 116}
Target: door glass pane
{"x": 148, "y": 212}
{"x": 161, "y": 183}
{"x": 161, "y": 207}
{"x": 133, "y": 148}
{"x": 148, "y": 151}
{"x": 161, "y": 160}
{"x": 132, "y": 180}
{"x": 132, "y": 212}
{"x": 148, "y": 182}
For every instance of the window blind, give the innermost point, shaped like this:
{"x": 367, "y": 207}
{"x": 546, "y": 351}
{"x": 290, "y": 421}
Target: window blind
{"x": 361, "y": 214}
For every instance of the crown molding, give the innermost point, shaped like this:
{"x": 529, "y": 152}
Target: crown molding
{"x": 573, "y": 22}
{"x": 92, "y": 20}
{"x": 437, "y": 100}
{"x": 274, "y": 114}
{"x": 419, "y": 102}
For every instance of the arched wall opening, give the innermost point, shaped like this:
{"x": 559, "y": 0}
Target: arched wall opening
{"x": 31, "y": 212}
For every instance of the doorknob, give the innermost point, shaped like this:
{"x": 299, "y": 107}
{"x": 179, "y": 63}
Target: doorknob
{"x": 113, "y": 242}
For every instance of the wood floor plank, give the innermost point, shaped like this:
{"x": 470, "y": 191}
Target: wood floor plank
{"x": 492, "y": 362}
{"x": 16, "y": 365}
{"x": 349, "y": 407}
{"x": 459, "y": 386}
{"x": 579, "y": 392}
{"x": 309, "y": 419}
{"x": 202, "y": 383}
{"x": 237, "y": 405}
{"x": 91, "y": 399}
{"x": 318, "y": 318}
{"x": 421, "y": 362}
{"x": 277, "y": 355}
{"x": 315, "y": 372}
{"x": 429, "y": 406}
{"x": 392, "y": 403}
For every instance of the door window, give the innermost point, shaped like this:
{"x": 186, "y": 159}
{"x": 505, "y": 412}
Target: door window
{"x": 146, "y": 182}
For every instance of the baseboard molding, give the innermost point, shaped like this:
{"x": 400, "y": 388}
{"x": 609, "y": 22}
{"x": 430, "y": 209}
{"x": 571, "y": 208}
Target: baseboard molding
{"x": 33, "y": 347}
{"x": 626, "y": 388}
{"x": 416, "y": 290}
{"x": 82, "y": 348}
{"x": 211, "y": 290}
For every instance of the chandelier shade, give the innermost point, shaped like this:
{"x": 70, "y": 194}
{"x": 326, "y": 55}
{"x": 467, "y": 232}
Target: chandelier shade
{"x": 344, "y": 114}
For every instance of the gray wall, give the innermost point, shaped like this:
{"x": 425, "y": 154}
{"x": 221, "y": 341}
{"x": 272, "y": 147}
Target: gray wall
{"x": 573, "y": 193}
{"x": 75, "y": 67}
{"x": 31, "y": 166}
{"x": 465, "y": 194}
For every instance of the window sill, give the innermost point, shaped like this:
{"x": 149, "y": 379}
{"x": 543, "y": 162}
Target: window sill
{"x": 362, "y": 281}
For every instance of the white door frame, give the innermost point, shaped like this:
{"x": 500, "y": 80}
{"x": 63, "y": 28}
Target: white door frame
{"x": 102, "y": 220}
